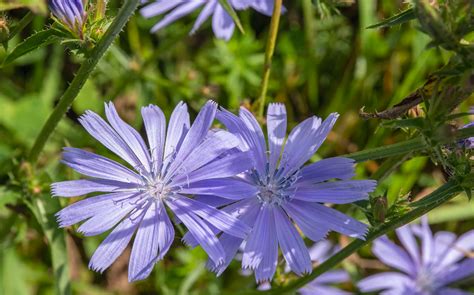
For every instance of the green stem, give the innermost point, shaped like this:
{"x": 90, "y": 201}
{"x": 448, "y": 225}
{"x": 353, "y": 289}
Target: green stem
{"x": 311, "y": 67}
{"x": 408, "y": 146}
{"x": 270, "y": 49}
{"x": 441, "y": 195}
{"x": 81, "y": 77}
{"x": 21, "y": 24}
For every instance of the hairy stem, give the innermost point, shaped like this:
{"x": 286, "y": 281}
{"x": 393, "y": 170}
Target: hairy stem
{"x": 440, "y": 196}
{"x": 82, "y": 75}
{"x": 270, "y": 49}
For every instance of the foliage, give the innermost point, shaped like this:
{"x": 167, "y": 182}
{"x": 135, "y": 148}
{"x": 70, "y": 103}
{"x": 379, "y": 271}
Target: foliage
{"x": 415, "y": 63}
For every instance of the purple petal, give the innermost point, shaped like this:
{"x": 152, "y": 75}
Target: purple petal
{"x": 386, "y": 280}
{"x": 426, "y": 241}
{"x": 229, "y": 188}
{"x": 406, "y": 237}
{"x": 222, "y": 23}
{"x": 219, "y": 219}
{"x": 321, "y": 289}
{"x": 145, "y": 247}
{"x": 90, "y": 164}
{"x": 159, "y": 7}
{"x": 462, "y": 246}
{"x": 393, "y": 255}
{"x": 292, "y": 245}
{"x": 155, "y": 126}
{"x": 459, "y": 272}
{"x": 213, "y": 200}
{"x": 130, "y": 136}
{"x": 255, "y": 139}
{"x": 333, "y": 277}
{"x": 89, "y": 207}
{"x": 452, "y": 291}
{"x": 115, "y": 243}
{"x": 315, "y": 231}
{"x": 199, "y": 129}
{"x": 204, "y": 15}
{"x": 227, "y": 166}
{"x": 276, "y": 130}
{"x": 327, "y": 169}
{"x": 200, "y": 231}
{"x": 321, "y": 250}
{"x": 177, "y": 13}
{"x": 105, "y": 134}
{"x": 337, "y": 192}
{"x": 326, "y": 217}
{"x": 74, "y": 188}
{"x": 442, "y": 244}
{"x": 178, "y": 127}
{"x": 214, "y": 145}
{"x": 261, "y": 249}
{"x": 107, "y": 218}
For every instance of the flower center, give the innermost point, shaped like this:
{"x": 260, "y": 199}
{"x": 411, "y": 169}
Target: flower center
{"x": 158, "y": 189}
{"x": 272, "y": 194}
{"x": 425, "y": 281}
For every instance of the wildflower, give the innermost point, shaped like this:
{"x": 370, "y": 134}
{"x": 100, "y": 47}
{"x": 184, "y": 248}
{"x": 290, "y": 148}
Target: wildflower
{"x": 70, "y": 13}
{"x": 137, "y": 200}
{"x": 319, "y": 252}
{"x": 222, "y": 23}
{"x": 285, "y": 191}
{"x": 430, "y": 270}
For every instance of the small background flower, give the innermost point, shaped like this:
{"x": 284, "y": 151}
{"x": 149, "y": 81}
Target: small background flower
{"x": 442, "y": 259}
{"x": 222, "y": 23}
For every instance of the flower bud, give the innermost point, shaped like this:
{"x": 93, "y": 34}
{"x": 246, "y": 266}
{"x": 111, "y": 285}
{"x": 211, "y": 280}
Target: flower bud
{"x": 4, "y": 31}
{"x": 380, "y": 208}
{"x": 70, "y": 13}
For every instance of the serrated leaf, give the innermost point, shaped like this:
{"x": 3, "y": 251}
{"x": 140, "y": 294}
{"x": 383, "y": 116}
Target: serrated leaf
{"x": 35, "y": 41}
{"x": 230, "y": 10}
{"x": 402, "y": 17}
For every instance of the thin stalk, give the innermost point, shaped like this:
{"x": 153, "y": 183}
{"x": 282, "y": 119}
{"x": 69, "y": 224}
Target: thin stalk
{"x": 441, "y": 195}
{"x": 408, "y": 146}
{"x": 311, "y": 67}
{"x": 270, "y": 49}
{"x": 21, "y": 25}
{"x": 81, "y": 77}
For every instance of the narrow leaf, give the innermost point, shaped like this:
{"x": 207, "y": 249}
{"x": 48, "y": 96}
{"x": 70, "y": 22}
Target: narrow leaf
{"x": 402, "y": 17}
{"x": 35, "y": 41}
{"x": 230, "y": 10}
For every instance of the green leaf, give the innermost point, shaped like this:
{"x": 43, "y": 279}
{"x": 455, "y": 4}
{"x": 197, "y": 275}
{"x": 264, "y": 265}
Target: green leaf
{"x": 233, "y": 14}
{"x": 35, "y": 5}
{"x": 35, "y": 41}
{"x": 402, "y": 17}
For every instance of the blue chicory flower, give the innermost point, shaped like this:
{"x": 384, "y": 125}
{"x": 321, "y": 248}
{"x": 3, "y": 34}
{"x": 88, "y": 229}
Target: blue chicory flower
{"x": 137, "y": 200}
{"x": 69, "y": 12}
{"x": 441, "y": 261}
{"x": 319, "y": 252}
{"x": 283, "y": 190}
{"x": 222, "y": 23}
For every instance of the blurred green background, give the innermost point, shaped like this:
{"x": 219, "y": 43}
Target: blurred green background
{"x": 325, "y": 61}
